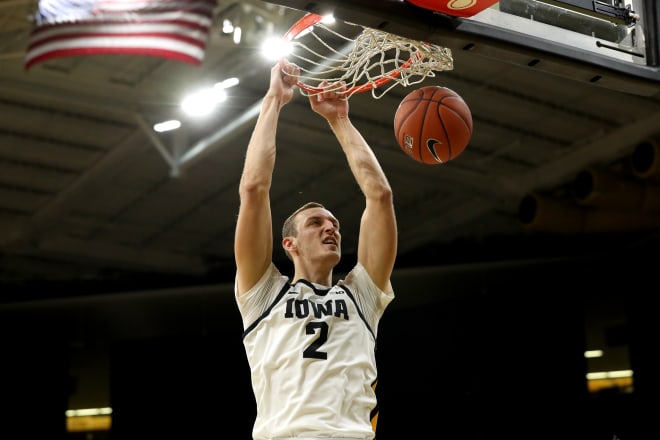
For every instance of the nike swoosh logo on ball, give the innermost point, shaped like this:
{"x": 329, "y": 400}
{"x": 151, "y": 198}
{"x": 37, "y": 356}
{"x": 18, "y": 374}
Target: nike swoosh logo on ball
{"x": 430, "y": 145}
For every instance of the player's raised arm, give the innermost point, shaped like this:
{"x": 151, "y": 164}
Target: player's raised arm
{"x": 253, "y": 242}
{"x": 377, "y": 242}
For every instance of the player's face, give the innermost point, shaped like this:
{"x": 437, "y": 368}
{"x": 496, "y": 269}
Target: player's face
{"x": 318, "y": 235}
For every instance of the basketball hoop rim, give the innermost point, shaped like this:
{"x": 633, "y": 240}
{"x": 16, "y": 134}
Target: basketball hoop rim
{"x": 311, "y": 19}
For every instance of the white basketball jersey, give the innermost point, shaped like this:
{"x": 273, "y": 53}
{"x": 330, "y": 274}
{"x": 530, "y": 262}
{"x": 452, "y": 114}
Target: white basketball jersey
{"x": 311, "y": 351}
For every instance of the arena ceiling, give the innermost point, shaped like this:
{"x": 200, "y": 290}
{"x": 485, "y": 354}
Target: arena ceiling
{"x": 92, "y": 200}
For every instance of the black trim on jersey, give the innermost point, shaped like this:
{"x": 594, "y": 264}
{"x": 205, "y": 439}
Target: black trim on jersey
{"x": 319, "y": 292}
{"x": 357, "y": 307}
{"x": 279, "y": 296}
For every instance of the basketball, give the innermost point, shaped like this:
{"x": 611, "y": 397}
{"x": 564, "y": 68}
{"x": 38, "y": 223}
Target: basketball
{"x": 433, "y": 125}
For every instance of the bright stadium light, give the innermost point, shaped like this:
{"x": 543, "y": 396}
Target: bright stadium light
{"x": 204, "y": 101}
{"x": 164, "y": 126}
{"x": 275, "y": 48}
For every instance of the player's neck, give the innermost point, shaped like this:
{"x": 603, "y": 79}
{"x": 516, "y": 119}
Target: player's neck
{"x": 315, "y": 275}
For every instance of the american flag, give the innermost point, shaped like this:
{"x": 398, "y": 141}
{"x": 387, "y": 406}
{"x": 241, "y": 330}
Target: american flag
{"x": 172, "y": 29}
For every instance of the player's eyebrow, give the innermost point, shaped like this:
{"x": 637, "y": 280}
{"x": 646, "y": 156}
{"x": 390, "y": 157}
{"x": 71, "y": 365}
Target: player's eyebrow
{"x": 334, "y": 221}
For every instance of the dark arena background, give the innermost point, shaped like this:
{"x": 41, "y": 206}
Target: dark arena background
{"x": 527, "y": 267}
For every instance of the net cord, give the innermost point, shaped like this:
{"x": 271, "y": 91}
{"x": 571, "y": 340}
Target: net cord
{"x": 373, "y": 60}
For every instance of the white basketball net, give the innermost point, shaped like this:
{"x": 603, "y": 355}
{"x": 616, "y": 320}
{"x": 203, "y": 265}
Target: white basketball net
{"x": 372, "y": 60}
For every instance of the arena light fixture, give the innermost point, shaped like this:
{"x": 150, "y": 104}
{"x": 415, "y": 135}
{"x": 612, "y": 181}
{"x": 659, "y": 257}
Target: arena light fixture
{"x": 204, "y": 101}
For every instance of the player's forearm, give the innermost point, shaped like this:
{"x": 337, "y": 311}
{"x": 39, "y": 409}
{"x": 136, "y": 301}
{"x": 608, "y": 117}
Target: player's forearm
{"x": 361, "y": 159}
{"x": 260, "y": 155}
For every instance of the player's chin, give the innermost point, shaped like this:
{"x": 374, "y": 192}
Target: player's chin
{"x": 335, "y": 254}
{"x": 337, "y": 250}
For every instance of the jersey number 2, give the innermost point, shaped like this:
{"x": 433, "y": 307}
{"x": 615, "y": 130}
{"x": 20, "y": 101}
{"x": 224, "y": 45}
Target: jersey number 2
{"x": 312, "y": 351}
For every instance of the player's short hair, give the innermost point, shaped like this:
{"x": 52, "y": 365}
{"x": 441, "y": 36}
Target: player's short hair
{"x": 290, "y": 227}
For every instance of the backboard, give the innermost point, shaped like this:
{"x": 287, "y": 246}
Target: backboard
{"x": 607, "y": 44}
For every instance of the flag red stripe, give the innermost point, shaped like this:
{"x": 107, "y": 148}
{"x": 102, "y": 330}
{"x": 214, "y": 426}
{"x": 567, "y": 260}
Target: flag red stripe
{"x": 128, "y": 46}
{"x": 117, "y": 36}
{"x": 162, "y": 53}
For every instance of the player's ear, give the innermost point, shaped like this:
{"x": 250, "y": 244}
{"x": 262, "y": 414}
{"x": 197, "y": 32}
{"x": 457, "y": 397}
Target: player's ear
{"x": 288, "y": 243}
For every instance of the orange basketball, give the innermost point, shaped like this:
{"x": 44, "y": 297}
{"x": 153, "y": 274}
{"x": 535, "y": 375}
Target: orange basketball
{"x": 433, "y": 125}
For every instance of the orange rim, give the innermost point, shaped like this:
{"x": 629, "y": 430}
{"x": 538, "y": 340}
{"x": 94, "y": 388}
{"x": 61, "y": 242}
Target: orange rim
{"x": 310, "y": 19}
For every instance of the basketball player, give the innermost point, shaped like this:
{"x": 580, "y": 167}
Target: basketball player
{"x": 311, "y": 344}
